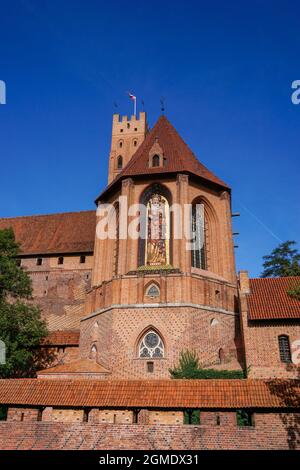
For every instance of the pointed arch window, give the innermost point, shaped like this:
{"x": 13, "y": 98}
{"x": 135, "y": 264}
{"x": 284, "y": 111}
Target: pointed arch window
{"x": 284, "y": 348}
{"x": 155, "y": 161}
{"x": 157, "y": 231}
{"x": 93, "y": 352}
{"x": 120, "y": 162}
{"x": 198, "y": 236}
{"x": 155, "y": 228}
{"x": 153, "y": 290}
{"x": 117, "y": 240}
{"x": 151, "y": 345}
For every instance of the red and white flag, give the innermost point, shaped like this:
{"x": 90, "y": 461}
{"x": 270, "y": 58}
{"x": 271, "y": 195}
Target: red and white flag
{"x": 133, "y": 98}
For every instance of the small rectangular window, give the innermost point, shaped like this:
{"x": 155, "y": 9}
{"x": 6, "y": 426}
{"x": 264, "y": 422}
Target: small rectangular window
{"x": 244, "y": 418}
{"x": 40, "y": 415}
{"x": 86, "y": 415}
{"x": 82, "y": 259}
{"x": 284, "y": 349}
{"x": 60, "y": 260}
{"x": 150, "y": 367}
{"x": 39, "y": 261}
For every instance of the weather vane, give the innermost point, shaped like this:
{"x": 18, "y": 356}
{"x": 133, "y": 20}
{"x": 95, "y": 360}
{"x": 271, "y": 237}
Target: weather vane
{"x": 162, "y": 104}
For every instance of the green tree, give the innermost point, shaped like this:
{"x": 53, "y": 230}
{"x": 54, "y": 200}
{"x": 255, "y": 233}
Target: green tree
{"x": 189, "y": 368}
{"x": 21, "y": 326}
{"x": 295, "y": 292}
{"x": 283, "y": 261}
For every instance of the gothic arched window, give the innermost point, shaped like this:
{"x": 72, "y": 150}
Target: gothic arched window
{"x": 117, "y": 240}
{"x": 157, "y": 231}
{"x": 120, "y": 162}
{"x": 153, "y": 291}
{"x": 155, "y": 161}
{"x": 284, "y": 348}
{"x": 155, "y": 227}
{"x": 151, "y": 345}
{"x": 93, "y": 352}
{"x": 198, "y": 236}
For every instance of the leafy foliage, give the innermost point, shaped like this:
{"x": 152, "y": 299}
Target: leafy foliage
{"x": 244, "y": 418}
{"x": 295, "y": 292}
{"x": 191, "y": 417}
{"x": 189, "y": 368}
{"x": 21, "y": 326}
{"x": 3, "y": 413}
{"x": 283, "y": 261}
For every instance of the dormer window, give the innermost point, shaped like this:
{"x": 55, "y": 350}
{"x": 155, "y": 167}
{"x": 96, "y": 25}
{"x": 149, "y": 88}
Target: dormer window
{"x": 155, "y": 161}
{"x": 120, "y": 162}
{"x": 156, "y": 155}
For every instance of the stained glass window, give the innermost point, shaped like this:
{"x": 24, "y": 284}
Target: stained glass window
{"x": 151, "y": 345}
{"x": 198, "y": 237}
{"x": 153, "y": 291}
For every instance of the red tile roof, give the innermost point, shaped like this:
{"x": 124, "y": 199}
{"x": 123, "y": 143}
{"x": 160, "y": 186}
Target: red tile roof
{"x": 69, "y": 232}
{"x": 62, "y": 338}
{"x": 152, "y": 394}
{"x": 268, "y": 299}
{"x": 179, "y": 157}
{"x": 76, "y": 367}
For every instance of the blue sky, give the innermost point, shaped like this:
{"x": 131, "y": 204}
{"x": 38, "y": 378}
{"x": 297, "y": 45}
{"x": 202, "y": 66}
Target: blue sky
{"x": 224, "y": 68}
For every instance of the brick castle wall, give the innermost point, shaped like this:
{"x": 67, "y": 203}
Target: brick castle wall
{"x": 271, "y": 431}
{"x": 60, "y": 289}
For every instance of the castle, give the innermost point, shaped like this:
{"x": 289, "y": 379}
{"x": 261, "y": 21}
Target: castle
{"x": 120, "y": 309}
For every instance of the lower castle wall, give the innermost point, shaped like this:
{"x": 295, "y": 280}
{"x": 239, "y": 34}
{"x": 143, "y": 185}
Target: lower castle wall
{"x": 271, "y": 431}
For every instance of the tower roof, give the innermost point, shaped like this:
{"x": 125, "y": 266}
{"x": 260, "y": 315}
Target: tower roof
{"x": 178, "y": 157}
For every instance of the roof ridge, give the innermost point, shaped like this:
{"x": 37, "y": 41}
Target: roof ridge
{"x": 273, "y": 278}
{"x": 47, "y": 215}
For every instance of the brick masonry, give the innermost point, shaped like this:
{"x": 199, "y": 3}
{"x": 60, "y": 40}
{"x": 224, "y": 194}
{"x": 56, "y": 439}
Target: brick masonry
{"x": 271, "y": 431}
{"x": 116, "y": 333}
{"x": 261, "y": 343}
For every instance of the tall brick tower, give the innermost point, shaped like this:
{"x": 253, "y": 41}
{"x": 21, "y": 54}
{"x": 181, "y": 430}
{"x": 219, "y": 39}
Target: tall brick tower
{"x": 127, "y": 136}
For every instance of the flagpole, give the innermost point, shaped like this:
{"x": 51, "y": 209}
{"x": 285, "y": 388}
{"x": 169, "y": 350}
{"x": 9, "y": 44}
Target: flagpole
{"x": 134, "y": 106}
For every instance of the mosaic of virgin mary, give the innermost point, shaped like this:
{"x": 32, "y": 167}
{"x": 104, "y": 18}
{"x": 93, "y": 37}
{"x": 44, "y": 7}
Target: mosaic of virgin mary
{"x": 157, "y": 243}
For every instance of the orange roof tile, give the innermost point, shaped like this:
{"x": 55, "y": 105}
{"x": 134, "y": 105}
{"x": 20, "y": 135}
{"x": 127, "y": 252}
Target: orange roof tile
{"x": 62, "y": 338}
{"x": 179, "y": 157}
{"x": 79, "y": 366}
{"x": 268, "y": 299}
{"x": 152, "y": 394}
{"x": 69, "y": 232}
